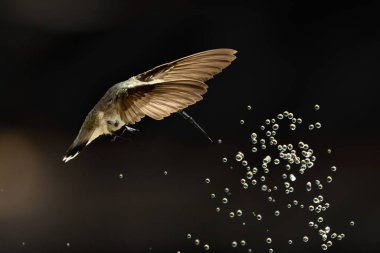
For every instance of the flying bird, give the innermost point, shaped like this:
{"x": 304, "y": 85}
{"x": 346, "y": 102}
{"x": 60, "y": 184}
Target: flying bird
{"x": 157, "y": 93}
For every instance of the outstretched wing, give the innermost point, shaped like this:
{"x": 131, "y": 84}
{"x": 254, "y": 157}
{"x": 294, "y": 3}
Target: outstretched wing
{"x": 170, "y": 87}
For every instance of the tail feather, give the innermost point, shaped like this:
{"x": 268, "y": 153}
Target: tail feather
{"x": 73, "y": 151}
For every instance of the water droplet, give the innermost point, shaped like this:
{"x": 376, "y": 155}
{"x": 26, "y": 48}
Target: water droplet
{"x": 320, "y": 219}
{"x": 305, "y": 239}
{"x": 239, "y": 156}
{"x": 316, "y": 107}
{"x": 212, "y": 195}
{"x": 292, "y": 177}
{"x": 197, "y": 241}
{"x": 121, "y": 176}
{"x": 290, "y": 242}
{"x": 217, "y": 209}
{"x": 224, "y": 200}
{"x": 206, "y": 247}
{"x": 234, "y": 244}
{"x": 277, "y": 213}
{"x": 292, "y": 127}
{"x": 352, "y": 223}
{"x": 269, "y": 240}
{"x": 249, "y": 107}
{"x": 224, "y": 159}
{"x": 254, "y": 149}
{"x": 333, "y": 168}
{"x": 311, "y": 127}
{"x": 328, "y": 151}
{"x": 239, "y": 212}
{"x": 275, "y": 127}
{"x": 242, "y": 243}
{"x": 259, "y": 217}
{"x": 165, "y": 172}
{"x": 207, "y": 180}
{"x": 242, "y": 121}
{"x": 329, "y": 179}
{"x": 270, "y": 250}
{"x": 318, "y": 125}
{"x": 232, "y": 214}
{"x": 188, "y": 236}
{"x": 324, "y": 247}
{"x": 68, "y": 244}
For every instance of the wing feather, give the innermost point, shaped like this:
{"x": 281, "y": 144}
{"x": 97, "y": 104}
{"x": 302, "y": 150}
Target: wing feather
{"x": 172, "y": 86}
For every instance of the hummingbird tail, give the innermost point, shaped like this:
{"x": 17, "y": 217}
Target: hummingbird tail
{"x": 192, "y": 121}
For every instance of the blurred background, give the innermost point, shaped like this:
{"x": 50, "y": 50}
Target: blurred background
{"x": 58, "y": 57}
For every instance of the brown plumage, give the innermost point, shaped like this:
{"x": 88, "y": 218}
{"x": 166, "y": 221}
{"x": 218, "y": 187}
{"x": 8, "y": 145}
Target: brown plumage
{"x": 156, "y": 93}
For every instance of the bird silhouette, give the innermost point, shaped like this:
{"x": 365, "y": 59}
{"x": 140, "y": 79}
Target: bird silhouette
{"x": 157, "y": 93}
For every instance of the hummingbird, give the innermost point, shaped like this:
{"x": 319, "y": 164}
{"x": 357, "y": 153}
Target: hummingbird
{"x": 157, "y": 93}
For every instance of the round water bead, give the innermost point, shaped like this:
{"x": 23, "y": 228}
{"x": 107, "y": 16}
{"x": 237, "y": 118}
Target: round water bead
{"x": 232, "y": 214}
{"x": 267, "y": 121}
{"x": 290, "y": 242}
{"x": 269, "y": 240}
{"x": 121, "y": 176}
{"x": 328, "y": 151}
{"x": 333, "y": 168}
{"x": 212, "y": 195}
{"x": 320, "y": 219}
{"x": 242, "y": 243}
{"x": 249, "y": 107}
{"x": 224, "y": 200}
{"x": 280, "y": 116}
{"x": 262, "y": 128}
{"x": 207, "y": 180}
{"x": 292, "y": 127}
{"x": 217, "y": 209}
{"x": 239, "y": 212}
{"x": 311, "y": 208}
{"x": 254, "y": 149}
{"x": 277, "y": 213}
{"x": 68, "y": 244}
{"x": 275, "y": 127}
{"x": 311, "y": 127}
{"x": 224, "y": 159}
{"x": 197, "y": 241}
{"x": 239, "y": 156}
{"x": 270, "y": 250}
{"x": 311, "y": 224}
{"x": 206, "y": 247}
{"x": 316, "y": 107}
{"x": 253, "y": 135}
{"x": 318, "y": 125}
{"x": 188, "y": 236}
{"x": 324, "y": 247}
{"x": 259, "y": 217}
{"x": 352, "y": 223}
{"x": 305, "y": 238}
{"x": 165, "y": 172}
{"x": 242, "y": 121}
{"x": 234, "y": 244}
{"x": 292, "y": 177}
{"x": 254, "y": 182}
{"x": 329, "y": 243}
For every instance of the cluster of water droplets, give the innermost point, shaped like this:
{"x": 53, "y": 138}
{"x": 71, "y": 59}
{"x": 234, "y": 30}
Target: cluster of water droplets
{"x": 294, "y": 160}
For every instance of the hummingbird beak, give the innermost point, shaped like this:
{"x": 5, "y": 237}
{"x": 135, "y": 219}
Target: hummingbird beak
{"x": 192, "y": 121}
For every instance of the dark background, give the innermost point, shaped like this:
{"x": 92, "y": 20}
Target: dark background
{"x": 58, "y": 57}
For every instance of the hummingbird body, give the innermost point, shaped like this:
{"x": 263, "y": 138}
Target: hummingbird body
{"x": 156, "y": 93}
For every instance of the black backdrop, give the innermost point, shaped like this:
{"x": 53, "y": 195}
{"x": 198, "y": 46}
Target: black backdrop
{"x": 59, "y": 56}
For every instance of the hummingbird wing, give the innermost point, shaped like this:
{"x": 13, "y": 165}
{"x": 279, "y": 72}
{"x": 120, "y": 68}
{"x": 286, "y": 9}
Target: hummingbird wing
{"x": 172, "y": 86}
